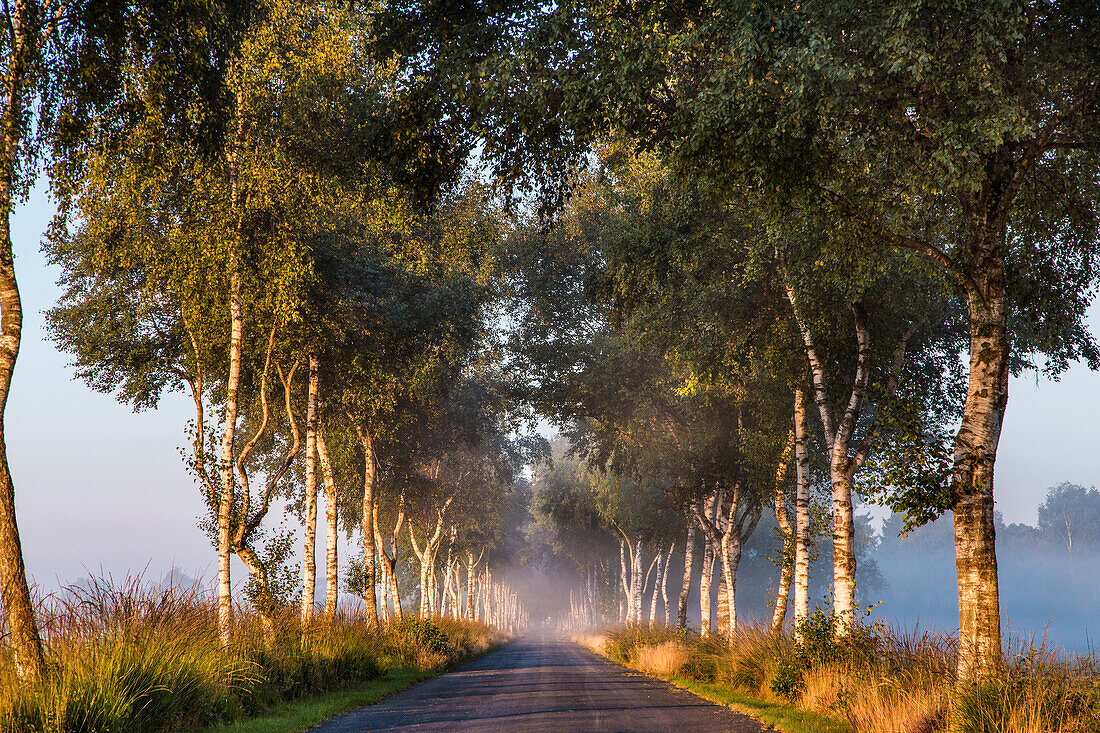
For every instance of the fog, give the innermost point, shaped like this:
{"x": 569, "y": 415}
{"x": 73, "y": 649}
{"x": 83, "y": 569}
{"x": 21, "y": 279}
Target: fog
{"x": 1045, "y": 591}
{"x": 1047, "y": 594}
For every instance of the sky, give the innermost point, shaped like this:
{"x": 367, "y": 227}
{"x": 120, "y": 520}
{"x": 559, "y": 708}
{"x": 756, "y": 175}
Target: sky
{"x": 101, "y": 489}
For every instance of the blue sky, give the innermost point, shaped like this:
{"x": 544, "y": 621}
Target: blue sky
{"x": 99, "y": 488}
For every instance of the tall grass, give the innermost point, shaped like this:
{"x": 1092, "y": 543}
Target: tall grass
{"x": 144, "y": 659}
{"x": 879, "y": 680}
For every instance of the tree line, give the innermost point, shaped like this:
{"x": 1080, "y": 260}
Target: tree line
{"x": 253, "y": 211}
{"x": 734, "y": 249}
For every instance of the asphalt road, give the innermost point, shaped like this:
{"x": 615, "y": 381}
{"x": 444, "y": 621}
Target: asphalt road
{"x": 542, "y": 685}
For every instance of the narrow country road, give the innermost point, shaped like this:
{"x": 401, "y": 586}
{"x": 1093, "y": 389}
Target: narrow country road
{"x": 542, "y": 685}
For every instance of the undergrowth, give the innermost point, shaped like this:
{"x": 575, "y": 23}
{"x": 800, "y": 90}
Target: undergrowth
{"x": 876, "y": 679}
{"x": 140, "y": 659}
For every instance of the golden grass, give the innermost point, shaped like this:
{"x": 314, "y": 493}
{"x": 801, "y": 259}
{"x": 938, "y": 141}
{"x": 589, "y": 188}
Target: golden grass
{"x": 665, "y": 659}
{"x": 595, "y": 641}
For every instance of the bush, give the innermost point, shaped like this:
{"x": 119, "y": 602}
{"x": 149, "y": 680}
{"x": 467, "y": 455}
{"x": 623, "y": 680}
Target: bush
{"x": 622, "y": 643}
{"x": 817, "y": 643}
{"x": 788, "y": 681}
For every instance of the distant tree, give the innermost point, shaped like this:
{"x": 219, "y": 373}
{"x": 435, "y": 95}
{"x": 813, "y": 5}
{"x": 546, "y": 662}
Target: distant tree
{"x": 1069, "y": 518}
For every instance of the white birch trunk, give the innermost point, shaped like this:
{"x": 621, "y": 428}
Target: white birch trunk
{"x": 685, "y": 583}
{"x": 782, "y": 595}
{"x": 367, "y": 522}
{"x": 656, "y": 586}
{"x": 309, "y": 563}
{"x": 636, "y": 584}
{"x": 664, "y": 582}
{"x": 802, "y": 511}
{"x": 704, "y": 587}
{"x": 332, "y": 577}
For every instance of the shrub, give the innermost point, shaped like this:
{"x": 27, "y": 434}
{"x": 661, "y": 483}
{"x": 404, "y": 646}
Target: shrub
{"x": 788, "y": 682}
{"x": 817, "y": 643}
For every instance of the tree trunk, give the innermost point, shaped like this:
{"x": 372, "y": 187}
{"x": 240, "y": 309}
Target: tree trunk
{"x": 309, "y": 561}
{"x": 422, "y": 558}
{"x": 802, "y": 510}
{"x": 664, "y": 581}
{"x": 398, "y": 613}
{"x": 704, "y": 586}
{"x": 470, "y": 585}
{"x": 425, "y": 608}
{"x": 15, "y": 592}
{"x": 722, "y": 620}
{"x": 624, "y": 581}
{"x": 972, "y": 477}
{"x": 844, "y": 555}
{"x": 636, "y": 584}
{"x": 332, "y": 577}
{"x": 225, "y": 503}
{"x": 685, "y": 587}
{"x": 383, "y": 589}
{"x": 656, "y": 585}
{"x": 732, "y": 560}
{"x": 391, "y": 572}
{"x": 782, "y": 595}
{"x": 233, "y": 382}
{"x": 842, "y": 465}
{"x": 368, "y": 528}
{"x": 727, "y": 618}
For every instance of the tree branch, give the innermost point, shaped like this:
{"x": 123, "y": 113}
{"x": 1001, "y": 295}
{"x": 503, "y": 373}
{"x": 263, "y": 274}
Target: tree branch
{"x": 817, "y": 368}
{"x": 893, "y": 238}
{"x": 287, "y": 381}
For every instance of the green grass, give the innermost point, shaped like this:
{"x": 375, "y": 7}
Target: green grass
{"x": 782, "y": 717}
{"x": 293, "y": 717}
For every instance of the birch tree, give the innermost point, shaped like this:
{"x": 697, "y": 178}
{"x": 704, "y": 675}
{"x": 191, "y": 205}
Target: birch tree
{"x": 971, "y": 149}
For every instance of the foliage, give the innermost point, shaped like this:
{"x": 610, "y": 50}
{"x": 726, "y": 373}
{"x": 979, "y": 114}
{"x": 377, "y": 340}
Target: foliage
{"x": 424, "y": 634}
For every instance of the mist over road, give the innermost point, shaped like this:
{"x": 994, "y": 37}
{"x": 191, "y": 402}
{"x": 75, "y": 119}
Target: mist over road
{"x": 542, "y": 685}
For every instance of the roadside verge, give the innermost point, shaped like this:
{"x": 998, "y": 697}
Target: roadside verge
{"x": 783, "y": 718}
{"x": 301, "y": 715}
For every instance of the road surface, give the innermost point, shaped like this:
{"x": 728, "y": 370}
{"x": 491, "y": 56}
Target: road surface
{"x": 542, "y": 685}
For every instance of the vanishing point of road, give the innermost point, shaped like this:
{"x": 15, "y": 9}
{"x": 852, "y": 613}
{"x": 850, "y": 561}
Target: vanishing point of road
{"x": 535, "y": 685}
